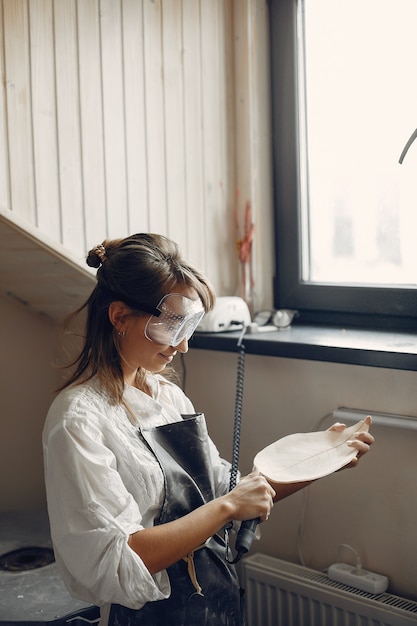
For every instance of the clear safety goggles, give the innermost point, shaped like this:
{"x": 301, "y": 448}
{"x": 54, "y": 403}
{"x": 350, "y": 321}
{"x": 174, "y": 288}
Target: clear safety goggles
{"x": 176, "y": 317}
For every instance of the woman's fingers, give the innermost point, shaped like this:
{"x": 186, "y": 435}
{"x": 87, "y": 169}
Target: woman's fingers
{"x": 255, "y": 497}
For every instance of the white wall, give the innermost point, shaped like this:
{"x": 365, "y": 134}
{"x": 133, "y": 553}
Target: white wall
{"x": 27, "y": 381}
{"x": 373, "y": 508}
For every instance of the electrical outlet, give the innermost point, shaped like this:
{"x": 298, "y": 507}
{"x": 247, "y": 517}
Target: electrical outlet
{"x": 361, "y": 579}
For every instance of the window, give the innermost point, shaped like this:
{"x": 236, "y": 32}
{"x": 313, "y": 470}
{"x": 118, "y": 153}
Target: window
{"x": 344, "y": 105}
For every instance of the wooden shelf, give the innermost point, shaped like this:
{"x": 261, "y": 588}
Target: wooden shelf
{"x": 39, "y": 273}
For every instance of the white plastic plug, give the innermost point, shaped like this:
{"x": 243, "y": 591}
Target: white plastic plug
{"x": 357, "y": 577}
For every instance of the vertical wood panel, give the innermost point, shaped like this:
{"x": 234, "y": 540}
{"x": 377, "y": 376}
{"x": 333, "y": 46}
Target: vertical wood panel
{"x": 155, "y": 129}
{"x": 4, "y": 144}
{"x": 218, "y": 211}
{"x": 193, "y": 132}
{"x": 134, "y": 88}
{"x": 228, "y": 132}
{"x": 244, "y": 165}
{"x": 243, "y": 93}
{"x": 209, "y": 145}
{"x": 44, "y": 117}
{"x": 264, "y": 236}
{"x": 91, "y": 114}
{"x": 253, "y": 137}
{"x": 68, "y": 121}
{"x": 113, "y": 116}
{"x": 174, "y": 119}
{"x": 19, "y": 118}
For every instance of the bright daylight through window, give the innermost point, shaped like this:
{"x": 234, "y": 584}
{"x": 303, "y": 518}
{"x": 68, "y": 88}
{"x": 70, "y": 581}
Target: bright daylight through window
{"x": 359, "y": 204}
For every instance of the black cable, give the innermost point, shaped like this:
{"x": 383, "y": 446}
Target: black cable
{"x": 238, "y": 414}
{"x": 247, "y": 529}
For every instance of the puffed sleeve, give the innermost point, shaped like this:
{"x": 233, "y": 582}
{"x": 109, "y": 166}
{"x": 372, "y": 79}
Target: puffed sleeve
{"x": 92, "y": 515}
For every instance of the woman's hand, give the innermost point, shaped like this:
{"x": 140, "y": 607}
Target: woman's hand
{"x": 252, "y": 497}
{"x": 362, "y": 440}
{"x": 162, "y": 545}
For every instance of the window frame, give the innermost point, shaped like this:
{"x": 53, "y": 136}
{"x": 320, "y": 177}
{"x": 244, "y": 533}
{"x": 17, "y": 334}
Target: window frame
{"x": 360, "y": 306}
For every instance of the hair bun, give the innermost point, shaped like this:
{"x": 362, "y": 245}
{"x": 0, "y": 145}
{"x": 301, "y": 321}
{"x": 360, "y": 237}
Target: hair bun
{"x": 96, "y": 256}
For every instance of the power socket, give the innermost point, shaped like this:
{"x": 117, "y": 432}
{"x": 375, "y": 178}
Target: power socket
{"x": 362, "y": 579}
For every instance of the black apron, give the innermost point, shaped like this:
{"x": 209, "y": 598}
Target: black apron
{"x": 182, "y": 450}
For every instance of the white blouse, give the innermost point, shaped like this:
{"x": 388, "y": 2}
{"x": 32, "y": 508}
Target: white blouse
{"x": 103, "y": 484}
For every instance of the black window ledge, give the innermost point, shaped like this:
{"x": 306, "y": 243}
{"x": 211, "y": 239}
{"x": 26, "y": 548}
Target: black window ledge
{"x": 392, "y": 350}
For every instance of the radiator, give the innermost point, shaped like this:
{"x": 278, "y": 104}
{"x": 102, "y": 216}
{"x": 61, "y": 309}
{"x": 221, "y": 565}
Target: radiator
{"x": 280, "y": 593}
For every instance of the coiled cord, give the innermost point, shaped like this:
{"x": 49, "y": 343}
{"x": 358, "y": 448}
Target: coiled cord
{"x": 236, "y": 442}
{"x": 238, "y": 412}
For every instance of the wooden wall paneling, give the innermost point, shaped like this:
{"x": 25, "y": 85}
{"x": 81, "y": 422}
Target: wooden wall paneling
{"x": 227, "y": 46}
{"x": 173, "y": 80}
{"x": 45, "y": 147}
{"x": 4, "y": 143}
{"x": 113, "y": 116}
{"x": 4, "y": 160}
{"x": 209, "y": 97}
{"x": 244, "y": 165}
{"x": 134, "y": 86}
{"x": 243, "y": 69}
{"x": 91, "y": 120}
{"x": 155, "y": 123}
{"x": 68, "y": 123}
{"x": 253, "y": 137}
{"x": 193, "y": 133}
{"x": 144, "y": 122}
{"x": 218, "y": 208}
{"x": 263, "y": 184}
{"x": 19, "y": 113}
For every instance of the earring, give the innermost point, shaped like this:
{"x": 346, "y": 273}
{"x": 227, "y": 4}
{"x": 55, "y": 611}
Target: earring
{"x": 121, "y": 333}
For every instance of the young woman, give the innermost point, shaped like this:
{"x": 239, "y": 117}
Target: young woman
{"x": 137, "y": 492}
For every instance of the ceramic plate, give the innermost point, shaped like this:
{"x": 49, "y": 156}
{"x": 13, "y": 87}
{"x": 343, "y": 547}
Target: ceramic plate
{"x": 308, "y": 456}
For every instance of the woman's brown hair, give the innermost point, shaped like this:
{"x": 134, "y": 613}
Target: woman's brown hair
{"x": 138, "y": 270}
